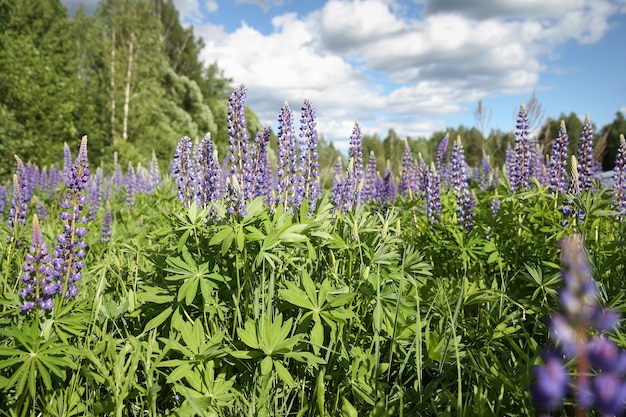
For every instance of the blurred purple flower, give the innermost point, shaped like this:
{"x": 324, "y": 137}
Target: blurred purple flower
{"x": 598, "y": 361}
{"x": 107, "y": 220}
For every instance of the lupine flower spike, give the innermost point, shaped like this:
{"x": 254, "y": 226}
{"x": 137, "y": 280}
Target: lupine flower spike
{"x": 309, "y": 156}
{"x": 287, "y": 160}
{"x": 407, "y": 176}
{"x": 586, "y": 164}
{"x": 69, "y": 251}
{"x": 107, "y": 220}
{"x": 558, "y": 162}
{"x": 619, "y": 178}
{"x": 355, "y": 153}
{"x": 433, "y": 195}
{"x": 38, "y": 289}
{"x": 520, "y": 170}
{"x": 239, "y": 153}
{"x": 579, "y": 332}
{"x": 459, "y": 182}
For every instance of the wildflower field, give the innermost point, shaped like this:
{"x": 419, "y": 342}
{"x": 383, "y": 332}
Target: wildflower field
{"x": 238, "y": 286}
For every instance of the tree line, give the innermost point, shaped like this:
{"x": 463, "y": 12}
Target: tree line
{"x": 130, "y": 77}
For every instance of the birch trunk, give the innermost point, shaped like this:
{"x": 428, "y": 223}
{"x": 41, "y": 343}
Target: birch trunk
{"x": 113, "y": 83}
{"x": 127, "y": 92}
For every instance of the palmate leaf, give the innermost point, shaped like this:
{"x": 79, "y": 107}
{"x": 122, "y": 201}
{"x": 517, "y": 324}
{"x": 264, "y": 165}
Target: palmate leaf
{"x": 37, "y": 359}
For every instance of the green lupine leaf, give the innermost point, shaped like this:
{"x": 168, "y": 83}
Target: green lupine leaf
{"x": 253, "y": 234}
{"x": 294, "y": 295}
{"x": 284, "y": 374}
{"x": 305, "y": 357}
{"x": 266, "y": 365}
{"x": 158, "y": 320}
{"x": 347, "y": 409}
{"x": 222, "y": 235}
{"x": 188, "y": 290}
{"x": 248, "y": 335}
{"x": 180, "y": 372}
{"x": 317, "y": 336}
{"x": 246, "y": 354}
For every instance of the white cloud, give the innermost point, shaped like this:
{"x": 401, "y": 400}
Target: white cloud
{"x": 356, "y": 59}
{"x": 211, "y": 5}
{"x": 263, "y": 4}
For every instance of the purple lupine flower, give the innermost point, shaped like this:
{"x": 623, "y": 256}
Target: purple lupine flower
{"x": 336, "y": 195}
{"x": 521, "y": 167}
{"x": 31, "y": 174}
{"x": 485, "y": 172}
{"x": 107, "y": 220}
{"x": 44, "y": 182}
{"x": 141, "y": 179}
{"x": 586, "y": 163}
{"x": 55, "y": 177}
{"x": 495, "y": 206}
{"x": 368, "y": 194}
{"x": 78, "y": 178}
{"x": 433, "y": 195}
{"x": 131, "y": 186}
{"x": 459, "y": 182}
{"x": 19, "y": 202}
{"x": 599, "y": 364}
{"x": 407, "y": 176}
{"x": 4, "y": 195}
{"x": 389, "y": 186}
{"x": 287, "y": 159}
{"x": 154, "y": 174}
{"x": 355, "y": 153}
{"x": 240, "y": 163}
{"x": 262, "y": 178}
{"x": 69, "y": 251}
{"x": 421, "y": 172}
{"x": 183, "y": 170}
{"x": 551, "y": 383}
{"x": 208, "y": 173}
{"x": 41, "y": 209}
{"x": 67, "y": 161}
{"x": 442, "y": 152}
{"x": 619, "y": 178}
{"x": 558, "y": 162}
{"x": 38, "y": 288}
{"x": 610, "y": 393}
{"x": 309, "y": 156}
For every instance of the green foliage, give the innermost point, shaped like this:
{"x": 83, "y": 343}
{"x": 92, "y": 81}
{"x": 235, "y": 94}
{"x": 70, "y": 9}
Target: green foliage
{"x": 198, "y": 312}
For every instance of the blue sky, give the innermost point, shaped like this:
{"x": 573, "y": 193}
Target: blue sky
{"x": 417, "y": 66}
